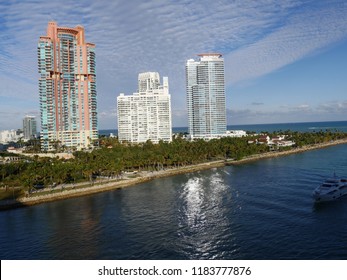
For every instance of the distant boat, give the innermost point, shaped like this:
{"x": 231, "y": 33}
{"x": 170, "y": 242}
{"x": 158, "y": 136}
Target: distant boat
{"x": 331, "y": 189}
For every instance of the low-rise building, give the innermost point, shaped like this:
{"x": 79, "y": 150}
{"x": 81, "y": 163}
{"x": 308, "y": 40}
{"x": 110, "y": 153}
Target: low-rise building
{"x": 275, "y": 142}
{"x": 7, "y": 136}
{"x": 236, "y": 133}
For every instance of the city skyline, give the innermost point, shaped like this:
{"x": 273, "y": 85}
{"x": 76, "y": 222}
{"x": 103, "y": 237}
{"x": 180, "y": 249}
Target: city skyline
{"x": 284, "y": 62}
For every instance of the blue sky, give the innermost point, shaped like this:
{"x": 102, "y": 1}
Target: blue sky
{"x": 285, "y": 61}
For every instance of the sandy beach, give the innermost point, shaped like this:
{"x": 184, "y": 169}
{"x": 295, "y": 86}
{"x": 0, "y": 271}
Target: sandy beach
{"x": 69, "y": 191}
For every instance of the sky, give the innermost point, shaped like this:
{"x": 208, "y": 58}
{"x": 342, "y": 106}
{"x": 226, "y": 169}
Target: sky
{"x": 285, "y": 61}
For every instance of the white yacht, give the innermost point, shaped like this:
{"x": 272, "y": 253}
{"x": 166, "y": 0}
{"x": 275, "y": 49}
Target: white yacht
{"x": 331, "y": 189}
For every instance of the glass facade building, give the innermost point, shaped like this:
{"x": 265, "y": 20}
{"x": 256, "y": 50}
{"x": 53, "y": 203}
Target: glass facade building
{"x": 29, "y": 127}
{"x": 67, "y": 88}
{"x": 206, "y": 96}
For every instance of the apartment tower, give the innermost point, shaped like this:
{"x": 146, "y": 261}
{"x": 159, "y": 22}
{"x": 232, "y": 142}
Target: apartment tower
{"x": 206, "y": 96}
{"x": 67, "y": 88}
{"x": 146, "y": 114}
{"x": 29, "y": 127}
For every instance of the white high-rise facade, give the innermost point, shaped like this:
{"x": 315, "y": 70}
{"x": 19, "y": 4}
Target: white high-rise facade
{"x": 206, "y": 96}
{"x": 145, "y": 115}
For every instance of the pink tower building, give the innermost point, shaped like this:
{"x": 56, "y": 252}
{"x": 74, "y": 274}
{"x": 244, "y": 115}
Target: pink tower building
{"x": 67, "y": 88}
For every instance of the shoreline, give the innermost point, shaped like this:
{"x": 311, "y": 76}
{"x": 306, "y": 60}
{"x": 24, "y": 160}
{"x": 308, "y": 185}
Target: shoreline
{"x": 292, "y": 151}
{"x": 147, "y": 176}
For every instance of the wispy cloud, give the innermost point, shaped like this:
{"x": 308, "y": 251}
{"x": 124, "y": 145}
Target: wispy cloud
{"x": 334, "y": 108}
{"x": 285, "y": 113}
{"x": 257, "y": 37}
{"x": 305, "y": 33}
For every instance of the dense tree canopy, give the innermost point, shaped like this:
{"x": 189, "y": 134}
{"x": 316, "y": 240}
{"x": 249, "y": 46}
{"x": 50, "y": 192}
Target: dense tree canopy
{"x": 112, "y": 158}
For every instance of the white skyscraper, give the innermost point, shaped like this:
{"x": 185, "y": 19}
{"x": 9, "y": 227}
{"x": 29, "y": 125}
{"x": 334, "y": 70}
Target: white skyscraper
{"x": 206, "y": 96}
{"x": 145, "y": 115}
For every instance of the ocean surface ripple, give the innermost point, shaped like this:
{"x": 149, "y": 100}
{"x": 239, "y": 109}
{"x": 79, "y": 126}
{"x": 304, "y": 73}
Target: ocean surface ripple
{"x": 258, "y": 210}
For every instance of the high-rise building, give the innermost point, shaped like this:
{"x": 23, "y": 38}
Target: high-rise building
{"x": 206, "y": 96}
{"x": 29, "y": 127}
{"x": 67, "y": 88}
{"x": 145, "y": 115}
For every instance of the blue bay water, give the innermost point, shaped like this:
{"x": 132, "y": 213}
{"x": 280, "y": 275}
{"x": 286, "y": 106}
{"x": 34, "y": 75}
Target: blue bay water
{"x": 258, "y": 210}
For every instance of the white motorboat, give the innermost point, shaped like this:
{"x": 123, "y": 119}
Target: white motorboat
{"x": 331, "y": 189}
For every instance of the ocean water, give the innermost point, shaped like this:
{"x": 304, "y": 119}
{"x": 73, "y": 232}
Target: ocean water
{"x": 301, "y": 127}
{"x": 258, "y": 210}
